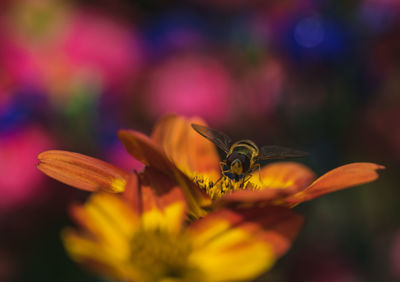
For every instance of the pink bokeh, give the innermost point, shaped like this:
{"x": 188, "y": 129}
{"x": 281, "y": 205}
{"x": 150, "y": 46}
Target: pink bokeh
{"x": 191, "y": 85}
{"x": 262, "y": 89}
{"x": 97, "y": 44}
{"x": 20, "y": 181}
{"x": 86, "y": 48}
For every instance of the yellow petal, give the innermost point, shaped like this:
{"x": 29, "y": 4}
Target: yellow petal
{"x": 213, "y": 225}
{"x": 225, "y": 252}
{"x": 98, "y": 257}
{"x": 189, "y": 151}
{"x": 108, "y": 219}
{"x": 339, "y": 178}
{"x": 82, "y": 172}
{"x": 278, "y": 226}
{"x": 116, "y": 212}
{"x": 81, "y": 247}
{"x": 240, "y": 262}
{"x": 155, "y": 216}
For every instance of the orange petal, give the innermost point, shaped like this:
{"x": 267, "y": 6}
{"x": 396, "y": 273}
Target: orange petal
{"x": 278, "y": 180}
{"x": 146, "y": 151}
{"x": 165, "y": 190}
{"x": 339, "y": 178}
{"x": 82, "y": 172}
{"x": 163, "y": 202}
{"x": 279, "y": 225}
{"x": 253, "y": 196}
{"x": 131, "y": 194}
{"x": 283, "y": 175}
{"x": 276, "y": 225}
{"x": 188, "y": 150}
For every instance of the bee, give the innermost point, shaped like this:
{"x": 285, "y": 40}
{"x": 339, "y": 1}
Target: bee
{"x": 243, "y": 157}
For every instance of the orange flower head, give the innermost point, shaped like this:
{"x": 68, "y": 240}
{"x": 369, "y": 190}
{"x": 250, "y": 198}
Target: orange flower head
{"x": 281, "y": 183}
{"x": 141, "y": 235}
{"x": 192, "y": 162}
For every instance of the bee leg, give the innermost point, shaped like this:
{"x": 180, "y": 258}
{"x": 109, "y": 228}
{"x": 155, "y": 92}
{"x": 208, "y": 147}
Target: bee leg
{"x": 222, "y": 166}
{"x": 243, "y": 181}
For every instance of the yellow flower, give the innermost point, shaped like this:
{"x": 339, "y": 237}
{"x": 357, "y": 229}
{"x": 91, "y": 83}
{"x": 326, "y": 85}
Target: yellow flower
{"x": 141, "y": 235}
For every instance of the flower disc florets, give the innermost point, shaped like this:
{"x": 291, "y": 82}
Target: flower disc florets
{"x": 224, "y": 186}
{"x": 159, "y": 254}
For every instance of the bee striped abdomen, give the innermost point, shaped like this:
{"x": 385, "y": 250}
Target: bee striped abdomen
{"x": 247, "y": 143}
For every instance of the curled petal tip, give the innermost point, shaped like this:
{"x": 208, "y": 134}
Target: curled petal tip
{"x": 82, "y": 172}
{"x": 144, "y": 149}
{"x": 381, "y": 166}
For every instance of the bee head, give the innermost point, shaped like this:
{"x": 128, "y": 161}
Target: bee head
{"x": 236, "y": 167}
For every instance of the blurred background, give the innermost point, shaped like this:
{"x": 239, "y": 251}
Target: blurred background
{"x": 322, "y": 76}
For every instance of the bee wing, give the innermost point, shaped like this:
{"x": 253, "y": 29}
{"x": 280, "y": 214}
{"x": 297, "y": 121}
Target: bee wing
{"x": 220, "y": 139}
{"x": 277, "y": 152}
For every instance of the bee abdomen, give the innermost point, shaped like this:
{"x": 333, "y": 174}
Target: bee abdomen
{"x": 248, "y": 143}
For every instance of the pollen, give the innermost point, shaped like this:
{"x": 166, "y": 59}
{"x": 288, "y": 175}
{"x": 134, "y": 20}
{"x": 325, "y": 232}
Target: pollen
{"x": 162, "y": 255}
{"x": 118, "y": 184}
{"x": 223, "y": 186}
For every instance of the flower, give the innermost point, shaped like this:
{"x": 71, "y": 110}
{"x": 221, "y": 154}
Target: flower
{"x": 141, "y": 235}
{"x": 175, "y": 149}
{"x": 280, "y": 183}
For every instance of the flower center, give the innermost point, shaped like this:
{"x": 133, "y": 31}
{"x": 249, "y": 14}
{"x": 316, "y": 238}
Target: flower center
{"x": 223, "y": 186}
{"x": 161, "y": 255}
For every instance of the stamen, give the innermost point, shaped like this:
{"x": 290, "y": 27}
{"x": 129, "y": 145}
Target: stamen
{"x": 224, "y": 186}
{"x": 161, "y": 255}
